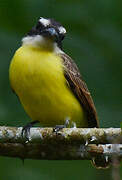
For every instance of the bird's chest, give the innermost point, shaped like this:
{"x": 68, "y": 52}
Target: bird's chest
{"x": 34, "y": 72}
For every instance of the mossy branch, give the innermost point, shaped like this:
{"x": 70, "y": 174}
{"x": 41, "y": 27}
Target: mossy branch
{"x": 69, "y": 143}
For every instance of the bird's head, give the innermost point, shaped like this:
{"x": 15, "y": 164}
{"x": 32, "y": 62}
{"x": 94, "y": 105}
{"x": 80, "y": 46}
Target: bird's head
{"x": 46, "y": 31}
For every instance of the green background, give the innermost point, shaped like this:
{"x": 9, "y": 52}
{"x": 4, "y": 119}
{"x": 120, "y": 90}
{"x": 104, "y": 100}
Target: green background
{"x": 94, "y": 41}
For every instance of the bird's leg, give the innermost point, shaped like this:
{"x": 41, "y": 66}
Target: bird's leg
{"x": 59, "y": 127}
{"x": 26, "y": 129}
{"x": 73, "y": 125}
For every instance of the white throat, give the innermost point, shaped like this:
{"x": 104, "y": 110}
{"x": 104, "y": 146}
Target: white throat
{"x": 42, "y": 43}
{"x": 37, "y": 41}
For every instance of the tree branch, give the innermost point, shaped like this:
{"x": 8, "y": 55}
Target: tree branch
{"x": 69, "y": 143}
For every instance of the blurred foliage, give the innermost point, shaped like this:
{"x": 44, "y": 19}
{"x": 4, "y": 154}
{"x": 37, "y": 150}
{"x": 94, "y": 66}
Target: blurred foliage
{"x": 94, "y": 41}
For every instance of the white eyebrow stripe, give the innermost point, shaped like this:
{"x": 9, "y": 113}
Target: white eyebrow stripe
{"x": 44, "y": 21}
{"x": 62, "y": 30}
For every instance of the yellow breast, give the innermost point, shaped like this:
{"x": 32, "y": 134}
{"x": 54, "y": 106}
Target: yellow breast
{"x": 37, "y": 78}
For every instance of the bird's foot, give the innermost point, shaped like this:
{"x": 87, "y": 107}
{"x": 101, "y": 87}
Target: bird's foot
{"x": 26, "y": 130}
{"x": 59, "y": 127}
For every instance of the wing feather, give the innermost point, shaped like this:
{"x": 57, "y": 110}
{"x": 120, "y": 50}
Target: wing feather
{"x": 80, "y": 90}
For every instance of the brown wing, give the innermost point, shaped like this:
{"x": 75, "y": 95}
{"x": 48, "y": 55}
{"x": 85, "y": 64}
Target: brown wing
{"x": 80, "y": 90}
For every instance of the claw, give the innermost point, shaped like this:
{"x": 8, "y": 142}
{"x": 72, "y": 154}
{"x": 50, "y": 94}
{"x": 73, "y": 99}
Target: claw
{"x": 59, "y": 127}
{"x": 26, "y": 130}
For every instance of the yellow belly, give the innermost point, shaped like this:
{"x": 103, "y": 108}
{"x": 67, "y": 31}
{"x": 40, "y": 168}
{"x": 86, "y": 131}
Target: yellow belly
{"x": 37, "y": 78}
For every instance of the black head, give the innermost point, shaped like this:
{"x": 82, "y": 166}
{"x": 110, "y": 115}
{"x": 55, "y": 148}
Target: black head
{"x": 49, "y": 28}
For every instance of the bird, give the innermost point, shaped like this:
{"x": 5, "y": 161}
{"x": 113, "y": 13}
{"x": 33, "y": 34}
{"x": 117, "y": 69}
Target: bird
{"x": 47, "y": 81}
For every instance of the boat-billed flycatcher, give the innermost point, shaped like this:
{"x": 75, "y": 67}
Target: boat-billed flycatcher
{"x": 48, "y": 82}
